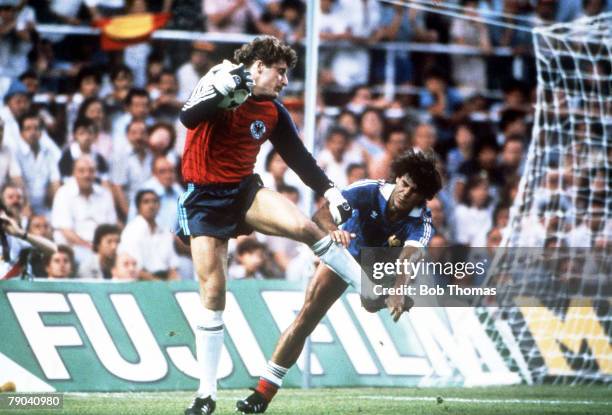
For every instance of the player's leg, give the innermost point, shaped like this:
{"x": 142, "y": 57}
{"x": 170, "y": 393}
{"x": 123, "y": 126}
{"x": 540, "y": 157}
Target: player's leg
{"x": 209, "y": 256}
{"x": 324, "y": 289}
{"x": 272, "y": 214}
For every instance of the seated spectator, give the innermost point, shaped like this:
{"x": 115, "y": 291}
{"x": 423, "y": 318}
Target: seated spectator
{"x": 161, "y": 140}
{"x": 10, "y": 172}
{"x": 438, "y": 98}
{"x": 166, "y": 105}
{"x": 283, "y": 250}
{"x": 88, "y": 83}
{"x": 372, "y": 128}
{"x": 473, "y": 215}
{"x": 464, "y": 139}
{"x": 483, "y": 164}
{"x": 150, "y": 244}
{"x": 333, "y": 159}
{"x": 137, "y": 108}
{"x": 124, "y": 268}
{"x": 512, "y": 157}
{"x": 396, "y": 142}
{"x": 38, "y": 165}
{"x": 131, "y": 166}
{"x": 39, "y": 225}
{"x": 512, "y": 123}
{"x": 16, "y": 41}
{"x": 439, "y": 220}
{"x": 356, "y": 172}
{"x": 424, "y": 137}
{"x": 105, "y": 243}
{"x": 15, "y": 242}
{"x": 164, "y": 184}
{"x": 85, "y": 133}
{"x": 93, "y": 109}
{"x": 249, "y": 260}
{"x": 290, "y": 23}
{"x": 227, "y": 16}
{"x": 17, "y": 103}
{"x": 470, "y": 70}
{"x": 122, "y": 79}
{"x": 60, "y": 264}
{"x": 190, "y": 72}
{"x": 277, "y": 173}
{"x": 13, "y": 201}
{"x": 79, "y": 206}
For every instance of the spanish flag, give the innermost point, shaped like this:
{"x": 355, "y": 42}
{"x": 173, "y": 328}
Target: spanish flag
{"x": 119, "y": 32}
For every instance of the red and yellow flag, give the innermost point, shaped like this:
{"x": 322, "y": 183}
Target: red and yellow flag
{"x": 119, "y": 32}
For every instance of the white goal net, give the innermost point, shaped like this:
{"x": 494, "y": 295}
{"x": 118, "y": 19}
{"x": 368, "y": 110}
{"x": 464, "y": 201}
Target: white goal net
{"x": 561, "y": 330}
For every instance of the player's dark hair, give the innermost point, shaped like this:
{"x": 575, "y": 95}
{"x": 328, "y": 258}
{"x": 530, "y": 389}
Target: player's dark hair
{"x": 421, "y": 168}
{"x": 267, "y": 49}
{"x": 136, "y": 92}
{"x": 28, "y": 115}
{"x": 141, "y": 194}
{"x": 102, "y": 231}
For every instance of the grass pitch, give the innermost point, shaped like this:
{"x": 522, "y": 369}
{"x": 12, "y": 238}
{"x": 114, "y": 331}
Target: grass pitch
{"x": 377, "y": 401}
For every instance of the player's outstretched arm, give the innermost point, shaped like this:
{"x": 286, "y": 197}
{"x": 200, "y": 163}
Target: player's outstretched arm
{"x": 288, "y": 144}
{"x": 204, "y": 101}
{"x": 324, "y": 220}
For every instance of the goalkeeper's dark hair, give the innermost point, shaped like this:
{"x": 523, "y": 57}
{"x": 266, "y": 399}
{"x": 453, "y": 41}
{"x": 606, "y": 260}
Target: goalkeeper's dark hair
{"x": 267, "y": 49}
{"x": 421, "y": 168}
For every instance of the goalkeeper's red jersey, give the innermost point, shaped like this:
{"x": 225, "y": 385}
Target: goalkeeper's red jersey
{"x": 224, "y": 148}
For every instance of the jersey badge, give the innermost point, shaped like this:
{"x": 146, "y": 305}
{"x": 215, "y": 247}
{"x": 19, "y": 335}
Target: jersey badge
{"x": 258, "y": 129}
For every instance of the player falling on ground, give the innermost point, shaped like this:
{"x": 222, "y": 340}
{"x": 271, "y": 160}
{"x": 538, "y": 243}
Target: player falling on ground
{"x": 384, "y": 215}
{"x": 225, "y": 199}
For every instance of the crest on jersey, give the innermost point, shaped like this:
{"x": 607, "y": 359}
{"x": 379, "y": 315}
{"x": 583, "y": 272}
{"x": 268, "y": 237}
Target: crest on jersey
{"x": 258, "y": 129}
{"x": 394, "y": 241}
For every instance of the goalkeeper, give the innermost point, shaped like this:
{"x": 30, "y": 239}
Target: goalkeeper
{"x": 231, "y": 112}
{"x": 385, "y": 215}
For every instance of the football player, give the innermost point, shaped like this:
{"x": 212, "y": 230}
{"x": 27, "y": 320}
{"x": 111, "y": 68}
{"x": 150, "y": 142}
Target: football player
{"x": 384, "y": 215}
{"x": 224, "y": 199}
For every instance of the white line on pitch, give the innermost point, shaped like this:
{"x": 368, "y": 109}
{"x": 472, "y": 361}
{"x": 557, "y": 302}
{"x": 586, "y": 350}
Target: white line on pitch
{"x": 475, "y": 400}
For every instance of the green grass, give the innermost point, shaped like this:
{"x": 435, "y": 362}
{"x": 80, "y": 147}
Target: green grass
{"x": 555, "y": 400}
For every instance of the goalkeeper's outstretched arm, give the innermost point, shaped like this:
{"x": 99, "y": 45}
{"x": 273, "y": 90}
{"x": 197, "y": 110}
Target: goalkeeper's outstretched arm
{"x": 210, "y": 91}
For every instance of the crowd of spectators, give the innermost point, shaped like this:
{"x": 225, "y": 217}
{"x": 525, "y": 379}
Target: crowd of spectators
{"x": 90, "y": 141}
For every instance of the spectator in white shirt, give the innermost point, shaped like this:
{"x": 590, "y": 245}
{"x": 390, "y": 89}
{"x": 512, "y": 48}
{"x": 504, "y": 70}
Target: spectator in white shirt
{"x": 38, "y": 165}
{"x": 105, "y": 243}
{"x": 9, "y": 169}
{"x": 85, "y": 133}
{"x": 150, "y": 244}
{"x": 332, "y": 158}
{"x": 473, "y": 217}
{"x": 164, "y": 184}
{"x": 131, "y": 166}
{"x": 80, "y": 205}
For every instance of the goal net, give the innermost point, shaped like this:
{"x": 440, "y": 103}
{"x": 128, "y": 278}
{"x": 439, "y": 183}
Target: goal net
{"x": 559, "y": 328}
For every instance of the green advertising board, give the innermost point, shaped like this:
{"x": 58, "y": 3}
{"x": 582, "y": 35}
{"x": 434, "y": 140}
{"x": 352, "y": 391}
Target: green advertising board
{"x": 100, "y": 336}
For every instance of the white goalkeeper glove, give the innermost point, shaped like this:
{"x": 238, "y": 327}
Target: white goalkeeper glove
{"x": 338, "y": 206}
{"x": 228, "y": 77}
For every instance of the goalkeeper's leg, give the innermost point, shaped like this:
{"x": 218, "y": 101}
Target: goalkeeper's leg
{"x": 324, "y": 289}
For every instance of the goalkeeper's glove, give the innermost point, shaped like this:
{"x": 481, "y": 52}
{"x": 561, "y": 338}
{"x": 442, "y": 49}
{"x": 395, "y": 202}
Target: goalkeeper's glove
{"x": 338, "y": 206}
{"x": 228, "y": 77}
